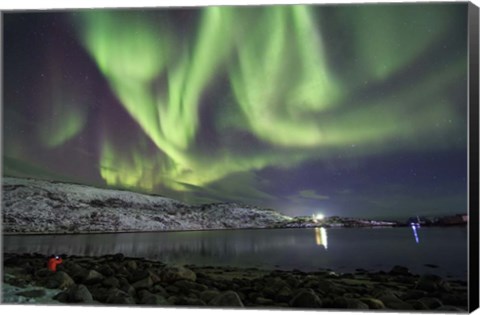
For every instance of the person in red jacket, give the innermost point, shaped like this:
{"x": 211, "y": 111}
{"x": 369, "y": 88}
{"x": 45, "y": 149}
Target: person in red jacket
{"x": 53, "y": 262}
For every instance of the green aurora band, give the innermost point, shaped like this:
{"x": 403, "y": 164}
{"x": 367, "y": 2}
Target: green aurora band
{"x": 283, "y": 91}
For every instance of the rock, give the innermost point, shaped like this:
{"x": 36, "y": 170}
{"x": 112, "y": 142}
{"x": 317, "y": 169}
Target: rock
{"x": 306, "y": 298}
{"x": 399, "y": 271}
{"x": 431, "y": 302}
{"x": 74, "y": 269}
{"x": 392, "y": 301}
{"x": 61, "y": 297}
{"x": 174, "y": 273}
{"x": 93, "y": 277}
{"x": 374, "y": 304}
{"x": 127, "y": 288}
{"x": 131, "y": 264}
{"x": 284, "y": 294}
{"x": 116, "y": 296}
{"x": 32, "y": 293}
{"x": 79, "y": 294}
{"x": 106, "y": 270}
{"x": 100, "y": 293}
{"x": 111, "y": 282}
{"x": 157, "y": 288}
{"x": 143, "y": 284}
{"x": 59, "y": 280}
{"x": 138, "y": 275}
{"x": 356, "y": 304}
{"x": 209, "y": 295}
{"x": 432, "y": 283}
{"x": 227, "y": 298}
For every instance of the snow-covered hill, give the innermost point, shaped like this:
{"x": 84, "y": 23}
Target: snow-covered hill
{"x": 39, "y": 206}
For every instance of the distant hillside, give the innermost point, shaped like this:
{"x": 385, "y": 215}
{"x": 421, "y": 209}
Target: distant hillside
{"x": 38, "y": 206}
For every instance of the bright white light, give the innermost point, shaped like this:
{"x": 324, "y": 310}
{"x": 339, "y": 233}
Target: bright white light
{"x": 319, "y": 216}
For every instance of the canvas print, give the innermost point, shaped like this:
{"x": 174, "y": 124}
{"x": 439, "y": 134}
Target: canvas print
{"x": 280, "y": 157}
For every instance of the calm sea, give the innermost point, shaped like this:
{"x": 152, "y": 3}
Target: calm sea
{"x": 341, "y": 250}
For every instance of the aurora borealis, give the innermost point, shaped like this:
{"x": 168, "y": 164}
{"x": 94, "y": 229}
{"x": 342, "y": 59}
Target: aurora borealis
{"x": 357, "y": 110}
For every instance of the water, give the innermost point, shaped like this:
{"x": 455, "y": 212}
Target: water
{"x": 342, "y": 250}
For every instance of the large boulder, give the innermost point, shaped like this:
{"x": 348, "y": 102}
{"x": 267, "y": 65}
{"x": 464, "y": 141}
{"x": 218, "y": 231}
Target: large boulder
{"x": 145, "y": 283}
{"x": 93, "y": 277}
{"x": 209, "y": 295}
{"x": 175, "y": 273}
{"x": 111, "y": 282}
{"x": 227, "y": 298}
{"x": 390, "y": 300}
{"x": 374, "y": 304}
{"x": 59, "y": 280}
{"x": 306, "y": 298}
{"x": 79, "y": 294}
{"x": 116, "y": 296}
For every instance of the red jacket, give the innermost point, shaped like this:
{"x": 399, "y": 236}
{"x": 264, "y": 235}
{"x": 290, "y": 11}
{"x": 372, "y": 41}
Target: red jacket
{"x": 53, "y": 262}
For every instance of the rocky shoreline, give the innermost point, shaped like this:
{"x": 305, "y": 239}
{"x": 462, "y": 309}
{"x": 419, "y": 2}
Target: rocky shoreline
{"x": 119, "y": 280}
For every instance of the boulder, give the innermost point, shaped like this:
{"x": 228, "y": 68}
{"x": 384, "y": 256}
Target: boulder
{"x": 227, "y": 298}
{"x": 208, "y": 295}
{"x": 413, "y": 295}
{"x": 284, "y": 294}
{"x": 143, "y": 284}
{"x": 306, "y": 298}
{"x": 111, "y": 282}
{"x": 417, "y": 305}
{"x": 131, "y": 265}
{"x": 79, "y": 294}
{"x": 175, "y": 273}
{"x": 59, "y": 280}
{"x": 106, "y": 270}
{"x": 116, "y": 296}
{"x": 390, "y": 300}
{"x": 374, "y": 304}
{"x": 93, "y": 277}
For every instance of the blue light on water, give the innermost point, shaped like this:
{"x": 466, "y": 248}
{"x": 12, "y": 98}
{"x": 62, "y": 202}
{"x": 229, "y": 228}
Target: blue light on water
{"x": 415, "y": 234}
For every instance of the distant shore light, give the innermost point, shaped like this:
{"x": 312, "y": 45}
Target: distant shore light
{"x": 319, "y": 216}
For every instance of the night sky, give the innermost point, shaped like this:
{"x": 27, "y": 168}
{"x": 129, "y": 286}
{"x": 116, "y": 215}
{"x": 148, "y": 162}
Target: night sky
{"x": 342, "y": 109}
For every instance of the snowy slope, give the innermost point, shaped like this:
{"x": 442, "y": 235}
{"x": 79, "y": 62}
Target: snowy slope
{"x": 50, "y": 207}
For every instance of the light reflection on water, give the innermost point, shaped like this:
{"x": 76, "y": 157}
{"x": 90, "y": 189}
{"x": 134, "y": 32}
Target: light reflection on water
{"x": 321, "y": 237}
{"x": 305, "y": 249}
